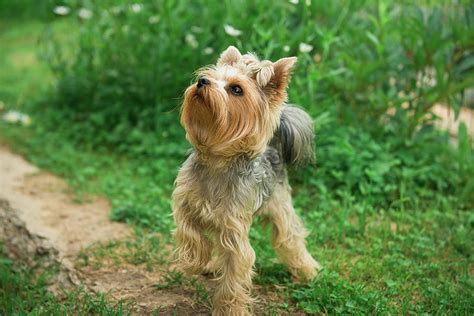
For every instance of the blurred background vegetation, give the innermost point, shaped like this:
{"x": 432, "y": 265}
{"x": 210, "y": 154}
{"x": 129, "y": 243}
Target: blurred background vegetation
{"x": 102, "y": 82}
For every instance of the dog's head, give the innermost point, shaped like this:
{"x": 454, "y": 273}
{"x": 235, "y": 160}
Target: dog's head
{"x": 234, "y": 106}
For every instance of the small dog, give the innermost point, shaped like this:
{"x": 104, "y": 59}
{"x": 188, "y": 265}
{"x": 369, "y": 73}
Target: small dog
{"x": 244, "y": 134}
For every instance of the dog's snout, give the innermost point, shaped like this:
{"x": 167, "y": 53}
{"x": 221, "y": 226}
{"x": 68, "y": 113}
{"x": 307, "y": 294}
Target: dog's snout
{"x": 203, "y": 82}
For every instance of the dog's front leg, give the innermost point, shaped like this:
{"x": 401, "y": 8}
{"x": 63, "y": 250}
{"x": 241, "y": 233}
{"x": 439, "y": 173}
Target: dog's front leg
{"x": 234, "y": 267}
{"x": 193, "y": 248}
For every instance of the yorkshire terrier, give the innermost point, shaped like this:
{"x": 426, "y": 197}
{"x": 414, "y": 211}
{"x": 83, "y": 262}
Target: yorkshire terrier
{"x": 244, "y": 134}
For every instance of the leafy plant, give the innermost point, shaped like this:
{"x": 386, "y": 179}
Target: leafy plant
{"x": 122, "y": 82}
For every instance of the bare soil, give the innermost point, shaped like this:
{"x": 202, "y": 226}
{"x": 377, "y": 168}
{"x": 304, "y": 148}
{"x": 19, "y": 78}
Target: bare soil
{"x": 448, "y": 120}
{"x": 47, "y": 208}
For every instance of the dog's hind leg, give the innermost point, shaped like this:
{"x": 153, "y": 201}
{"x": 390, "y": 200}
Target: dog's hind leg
{"x": 288, "y": 235}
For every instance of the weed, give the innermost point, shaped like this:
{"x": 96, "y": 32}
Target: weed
{"x": 202, "y": 295}
{"x": 170, "y": 279}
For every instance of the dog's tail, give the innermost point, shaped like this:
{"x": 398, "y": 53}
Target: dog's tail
{"x": 295, "y": 137}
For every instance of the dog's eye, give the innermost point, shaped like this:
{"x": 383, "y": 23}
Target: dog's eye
{"x": 236, "y": 90}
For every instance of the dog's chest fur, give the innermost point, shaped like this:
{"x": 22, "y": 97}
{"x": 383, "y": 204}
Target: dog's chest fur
{"x": 242, "y": 186}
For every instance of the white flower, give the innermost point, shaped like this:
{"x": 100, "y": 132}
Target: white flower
{"x": 190, "y": 39}
{"x": 232, "y": 31}
{"x": 208, "y": 50}
{"x": 294, "y": 1}
{"x": 11, "y": 117}
{"x": 84, "y": 13}
{"x": 61, "y": 10}
{"x": 154, "y": 19}
{"x": 136, "y": 7}
{"x": 305, "y": 47}
{"x": 16, "y": 117}
{"x": 286, "y": 48}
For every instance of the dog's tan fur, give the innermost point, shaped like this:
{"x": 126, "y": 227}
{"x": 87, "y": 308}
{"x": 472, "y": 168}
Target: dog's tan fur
{"x": 236, "y": 172}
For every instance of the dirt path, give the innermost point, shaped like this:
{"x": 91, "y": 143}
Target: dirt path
{"x": 43, "y": 205}
{"x": 46, "y": 207}
{"x": 448, "y": 120}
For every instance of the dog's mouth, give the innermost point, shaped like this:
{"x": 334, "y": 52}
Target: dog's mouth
{"x": 202, "y": 98}
{"x": 199, "y": 97}
{"x": 198, "y": 94}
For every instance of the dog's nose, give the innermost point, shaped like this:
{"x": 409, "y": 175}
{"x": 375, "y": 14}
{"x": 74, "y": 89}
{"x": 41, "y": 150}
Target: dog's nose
{"x": 203, "y": 82}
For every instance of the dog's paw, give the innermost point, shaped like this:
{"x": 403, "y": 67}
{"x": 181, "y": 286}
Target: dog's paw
{"x": 231, "y": 310}
{"x": 191, "y": 268}
{"x": 307, "y": 272}
{"x": 210, "y": 270}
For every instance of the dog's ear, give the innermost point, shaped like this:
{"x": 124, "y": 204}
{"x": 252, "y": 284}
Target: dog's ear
{"x": 282, "y": 70}
{"x": 276, "y": 87}
{"x": 230, "y": 56}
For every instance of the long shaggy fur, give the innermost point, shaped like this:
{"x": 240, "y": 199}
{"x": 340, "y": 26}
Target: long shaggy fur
{"x": 236, "y": 171}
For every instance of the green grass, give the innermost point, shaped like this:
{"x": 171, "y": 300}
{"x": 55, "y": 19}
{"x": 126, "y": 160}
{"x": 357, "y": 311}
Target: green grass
{"x": 389, "y": 204}
{"x": 24, "y": 291}
{"x": 25, "y": 77}
{"x": 22, "y": 75}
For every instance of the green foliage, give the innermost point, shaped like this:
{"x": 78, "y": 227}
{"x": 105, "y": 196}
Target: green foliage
{"x": 121, "y": 83}
{"x": 123, "y": 79}
{"x": 24, "y": 9}
{"x": 387, "y": 170}
{"x": 329, "y": 295}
